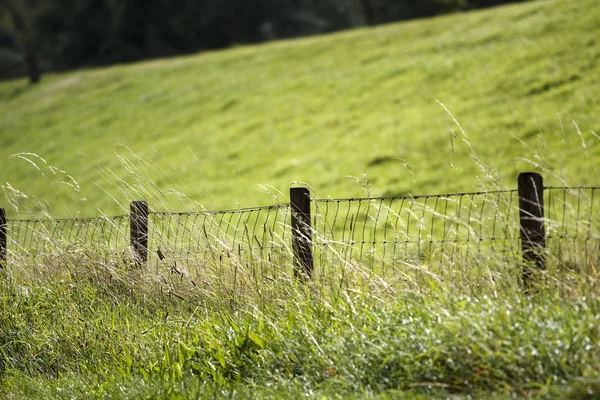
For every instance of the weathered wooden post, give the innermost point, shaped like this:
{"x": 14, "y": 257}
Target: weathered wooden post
{"x": 3, "y": 239}
{"x": 531, "y": 214}
{"x": 138, "y": 233}
{"x": 301, "y": 233}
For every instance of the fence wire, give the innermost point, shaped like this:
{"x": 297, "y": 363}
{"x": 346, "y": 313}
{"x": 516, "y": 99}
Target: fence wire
{"x": 572, "y": 226}
{"x": 38, "y": 240}
{"x": 254, "y": 238}
{"x": 387, "y": 235}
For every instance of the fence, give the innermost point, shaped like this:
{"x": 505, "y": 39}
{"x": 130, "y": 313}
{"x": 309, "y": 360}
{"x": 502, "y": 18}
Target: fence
{"x": 531, "y": 226}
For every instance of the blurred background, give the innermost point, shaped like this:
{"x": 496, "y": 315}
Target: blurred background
{"x": 38, "y": 36}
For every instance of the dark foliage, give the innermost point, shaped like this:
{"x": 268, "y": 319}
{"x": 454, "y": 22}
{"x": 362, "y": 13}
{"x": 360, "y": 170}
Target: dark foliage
{"x": 66, "y": 34}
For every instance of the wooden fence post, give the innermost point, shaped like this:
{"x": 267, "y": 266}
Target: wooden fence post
{"x": 301, "y": 233}
{"x": 531, "y": 214}
{"x": 3, "y": 239}
{"x": 138, "y": 233}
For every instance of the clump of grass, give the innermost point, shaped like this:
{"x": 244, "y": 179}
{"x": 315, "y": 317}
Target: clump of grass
{"x": 75, "y": 336}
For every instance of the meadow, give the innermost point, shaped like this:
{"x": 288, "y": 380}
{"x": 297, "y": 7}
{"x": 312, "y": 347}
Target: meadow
{"x": 374, "y": 108}
{"x": 451, "y": 104}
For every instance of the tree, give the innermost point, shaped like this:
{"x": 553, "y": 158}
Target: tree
{"x": 73, "y": 32}
{"x": 369, "y": 12}
{"x": 17, "y": 11}
{"x": 67, "y": 34}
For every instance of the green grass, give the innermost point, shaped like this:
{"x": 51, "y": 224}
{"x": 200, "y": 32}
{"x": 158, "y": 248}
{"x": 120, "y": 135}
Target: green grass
{"x": 132, "y": 334}
{"x": 220, "y": 127}
{"x": 453, "y": 103}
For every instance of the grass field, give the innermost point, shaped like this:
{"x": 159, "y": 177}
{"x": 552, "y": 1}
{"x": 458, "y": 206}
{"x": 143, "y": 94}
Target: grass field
{"x": 232, "y": 128}
{"x": 85, "y": 330}
{"x": 447, "y": 104}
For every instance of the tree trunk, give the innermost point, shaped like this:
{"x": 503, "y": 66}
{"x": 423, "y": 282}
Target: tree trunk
{"x": 27, "y": 40}
{"x": 33, "y": 68}
{"x": 369, "y": 12}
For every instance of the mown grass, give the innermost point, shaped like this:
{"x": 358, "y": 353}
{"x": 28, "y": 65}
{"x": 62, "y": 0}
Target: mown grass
{"x": 235, "y": 127}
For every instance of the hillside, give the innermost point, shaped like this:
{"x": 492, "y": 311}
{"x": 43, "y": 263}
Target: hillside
{"x": 464, "y": 100}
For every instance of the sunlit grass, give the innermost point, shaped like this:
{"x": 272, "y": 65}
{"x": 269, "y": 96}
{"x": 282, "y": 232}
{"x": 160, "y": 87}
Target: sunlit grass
{"x": 222, "y": 126}
{"x": 454, "y": 103}
{"x": 133, "y": 333}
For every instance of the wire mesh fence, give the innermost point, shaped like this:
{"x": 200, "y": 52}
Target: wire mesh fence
{"x": 572, "y": 223}
{"x": 386, "y": 235}
{"x": 255, "y": 239}
{"x": 38, "y": 240}
{"x": 389, "y": 233}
